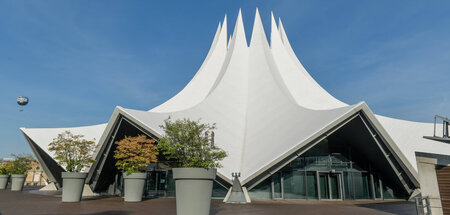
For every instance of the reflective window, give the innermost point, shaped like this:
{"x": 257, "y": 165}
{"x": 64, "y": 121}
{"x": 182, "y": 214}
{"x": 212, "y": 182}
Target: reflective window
{"x": 339, "y": 177}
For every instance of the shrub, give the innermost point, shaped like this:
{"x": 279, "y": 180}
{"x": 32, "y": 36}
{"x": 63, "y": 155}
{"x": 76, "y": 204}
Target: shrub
{"x": 135, "y": 153}
{"x": 72, "y": 151}
{"x": 188, "y": 143}
{"x": 21, "y": 164}
{"x": 5, "y": 167}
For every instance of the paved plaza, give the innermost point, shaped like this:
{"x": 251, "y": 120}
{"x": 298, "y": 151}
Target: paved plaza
{"x": 29, "y": 202}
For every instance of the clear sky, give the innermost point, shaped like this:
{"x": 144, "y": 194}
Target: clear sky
{"x": 77, "y": 60}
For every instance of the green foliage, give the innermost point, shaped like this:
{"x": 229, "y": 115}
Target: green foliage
{"x": 134, "y": 153}
{"x": 188, "y": 143}
{"x": 21, "y": 164}
{"x": 5, "y": 167}
{"x": 72, "y": 151}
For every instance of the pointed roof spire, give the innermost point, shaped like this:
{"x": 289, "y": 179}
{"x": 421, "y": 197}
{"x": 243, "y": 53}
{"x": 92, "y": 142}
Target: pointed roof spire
{"x": 258, "y": 33}
{"x": 216, "y": 39}
{"x": 224, "y": 25}
{"x": 282, "y": 32}
{"x": 217, "y": 32}
{"x": 224, "y": 31}
{"x": 274, "y": 33}
{"x": 273, "y": 22}
{"x": 239, "y": 32}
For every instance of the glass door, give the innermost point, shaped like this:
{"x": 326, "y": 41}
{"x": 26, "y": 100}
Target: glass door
{"x": 330, "y": 186}
{"x": 324, "y": 186}
{"x": 161, "y": 184}
{"x": 335, "y": 186}
{"x": 156, "y": 183}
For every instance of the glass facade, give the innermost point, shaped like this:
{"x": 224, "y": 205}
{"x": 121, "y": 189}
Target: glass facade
{"x": 262, "y": 191}
{"x": 327, "y": 172}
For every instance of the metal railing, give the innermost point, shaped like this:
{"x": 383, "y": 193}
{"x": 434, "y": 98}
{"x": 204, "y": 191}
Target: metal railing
{"x": 423, "y": 205}
{"x": 445, "y": 125}
{"x": 445, "y": 130}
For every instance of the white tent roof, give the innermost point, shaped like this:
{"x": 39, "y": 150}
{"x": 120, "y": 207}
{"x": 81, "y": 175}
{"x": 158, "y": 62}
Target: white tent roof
{"x": 264, "y": 102}
{"x": 43, "y": 136}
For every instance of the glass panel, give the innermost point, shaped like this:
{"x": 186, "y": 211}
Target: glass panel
{"x": 347, "y": 186}
{"x": 119, "y": 183}
{"x": 262, "y": 191}
{"x": 361, "y": 185}
{"x": 366, "y": 188}
{"x": 294, "y": 185}
{"x": 151, "y": 183}
{"x": 392, "y": 192}
{"x": 334, "y": 186}
{"x": 161, "y": 183}
{"x": 170, "y": 188}
{"x": 377, "y": 187}
{"x": 276, "y": 185}
{"x": 298, "y": 163}
{"x": 324, "y": 191}
{"x": 311, "y": 185}
{"x": 388, "y": 193}
{"x": 219, "y": 191}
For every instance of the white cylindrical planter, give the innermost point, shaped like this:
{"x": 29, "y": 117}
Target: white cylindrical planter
{"x": 134, "y": 186}
{"x": 193, "y": 188}
{"x": 72, "y": 186}
{"x": 17, "y": 182}
{"x": 4, "y": 181}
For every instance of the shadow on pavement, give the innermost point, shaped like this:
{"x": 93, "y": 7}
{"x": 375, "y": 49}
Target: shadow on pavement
{"x": 215, "y": 209}
{"x": 90, "y": 198}
{"x": 110, "y": 213}
{"x": 102, "y": 213}
{"x": 400, "y": 208}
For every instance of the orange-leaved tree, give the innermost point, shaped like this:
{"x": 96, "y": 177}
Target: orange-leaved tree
{"x": 135, "y": 153}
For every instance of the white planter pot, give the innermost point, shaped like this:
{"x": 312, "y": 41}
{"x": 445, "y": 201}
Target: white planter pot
{"x": 134, "y": 186}
{"x": 4, "y": 181}
{"x": 193, "y": 188}
{"x": 17, "y": 182}
{"x": 72, "y": 186}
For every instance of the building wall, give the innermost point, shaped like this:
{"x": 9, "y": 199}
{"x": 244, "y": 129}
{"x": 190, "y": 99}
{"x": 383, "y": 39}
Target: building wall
{"x": 36, "y": 176}
{"x": 428, "y": 179}
{"x": 443, "y": 178}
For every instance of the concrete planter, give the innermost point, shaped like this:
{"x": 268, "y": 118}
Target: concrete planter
{"x": 17, "y": 182}
{"x": 193, "y": 188}
{"x": 134, "y": 186}
{"x": 4, "y": 181}
{"x": 73, "y": 184}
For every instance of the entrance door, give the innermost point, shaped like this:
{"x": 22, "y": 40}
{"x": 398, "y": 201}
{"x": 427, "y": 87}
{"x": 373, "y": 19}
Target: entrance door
{"x": 156, "y": 183}
{"x": 330, "y": 186}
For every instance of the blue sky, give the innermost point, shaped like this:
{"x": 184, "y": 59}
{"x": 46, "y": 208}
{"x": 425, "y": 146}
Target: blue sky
{"x": 77, "y": 60}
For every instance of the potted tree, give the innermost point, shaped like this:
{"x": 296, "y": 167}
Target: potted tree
{"x": 133, "y": 154}
{"x": 75, "y": 153}
{"x": 190, "y": 144}
{"x": 5, "y": 170}
{"x": 19, "y": 168}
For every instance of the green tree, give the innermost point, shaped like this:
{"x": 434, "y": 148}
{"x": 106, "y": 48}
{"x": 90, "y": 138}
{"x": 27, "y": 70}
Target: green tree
{"x": 21, "y": 163}
{"x": 72, "y": 151}
{"x": 189, "y": 143}
{"x": 135, "y": 153}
